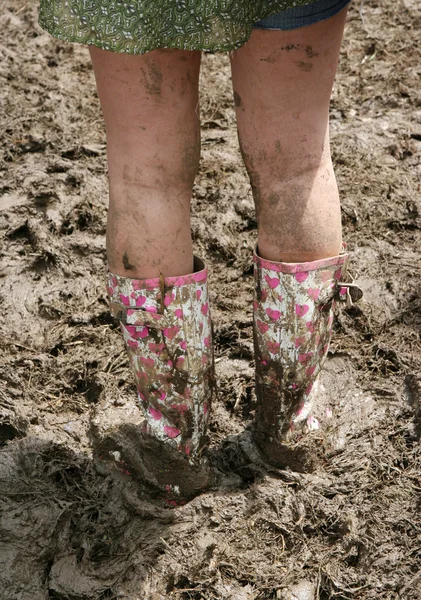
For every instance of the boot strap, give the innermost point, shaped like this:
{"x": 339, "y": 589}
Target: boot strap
{"x": 129, "y": 315}
{"x": 349, "y": 293}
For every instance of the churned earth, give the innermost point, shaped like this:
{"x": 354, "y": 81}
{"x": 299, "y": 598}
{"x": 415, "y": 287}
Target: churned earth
{"x": 69, "y": 530}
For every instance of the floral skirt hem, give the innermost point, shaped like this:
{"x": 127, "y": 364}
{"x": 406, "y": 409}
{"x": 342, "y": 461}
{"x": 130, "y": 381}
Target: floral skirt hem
{"x": 142, "y": 47}
{"x": 139, "y": 26}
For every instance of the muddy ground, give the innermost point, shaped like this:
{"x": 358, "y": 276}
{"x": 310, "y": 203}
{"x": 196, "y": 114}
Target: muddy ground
{"x": 71, "y": 532}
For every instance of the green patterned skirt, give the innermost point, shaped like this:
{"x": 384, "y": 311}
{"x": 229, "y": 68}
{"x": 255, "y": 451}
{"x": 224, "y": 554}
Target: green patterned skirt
{"x": 138, "y": 26}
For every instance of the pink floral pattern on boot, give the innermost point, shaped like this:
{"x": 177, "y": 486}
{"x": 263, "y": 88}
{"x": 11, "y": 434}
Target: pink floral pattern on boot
{"x": 166, "y": 326}
{"x": 293, "y": 316}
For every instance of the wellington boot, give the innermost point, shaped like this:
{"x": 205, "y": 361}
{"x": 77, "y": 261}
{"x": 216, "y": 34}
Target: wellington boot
{"x": 293, "y": 316}
{"x": 167, "y": 331}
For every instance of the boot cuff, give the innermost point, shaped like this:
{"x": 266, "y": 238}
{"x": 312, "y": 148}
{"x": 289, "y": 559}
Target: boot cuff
{"x": 117, "y": 282}
{"x": 283, "y": 267}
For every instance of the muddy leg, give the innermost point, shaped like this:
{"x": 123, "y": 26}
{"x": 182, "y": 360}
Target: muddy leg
{"x": 282, "y": 85}
{"x": 150, "y": 104}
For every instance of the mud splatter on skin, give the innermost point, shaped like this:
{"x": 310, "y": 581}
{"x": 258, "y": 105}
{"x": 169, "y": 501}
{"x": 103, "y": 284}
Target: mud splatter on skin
{"x": 156, "y": 77}
{"x": 127, "y": 264}
{"x": 262, "y": 156}
{"x": 310, "y": 53}
{"x": 304, "y": 66}
{"x": 273, "y": 199}
{"x": 290, "y": 47}
{"x": 254, "y": 177}
{"x": 115, "y": 227}
{"x": 191, "y": 159}
{"x": 152, "y": 79}
{"x": 308, "y": 50}
{"x": 269, "y": 59}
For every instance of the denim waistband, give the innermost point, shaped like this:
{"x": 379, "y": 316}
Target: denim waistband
{"x": 302, "y": 16}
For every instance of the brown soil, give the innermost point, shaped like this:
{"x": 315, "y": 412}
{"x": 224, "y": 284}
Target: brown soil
{"x": 71, "y": 532}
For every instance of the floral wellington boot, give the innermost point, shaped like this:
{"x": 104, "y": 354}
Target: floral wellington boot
{"x": 167, "y": 332}
{"x": 293, "y": 315}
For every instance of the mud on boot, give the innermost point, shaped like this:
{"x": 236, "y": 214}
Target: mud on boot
{"x": 293, "y": 316}
{"x": 167, "y": 331}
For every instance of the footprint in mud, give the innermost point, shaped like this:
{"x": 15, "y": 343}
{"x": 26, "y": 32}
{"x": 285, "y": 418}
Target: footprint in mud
{"x": 66, "y": 528}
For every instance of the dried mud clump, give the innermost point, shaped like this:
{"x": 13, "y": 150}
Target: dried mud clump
{"x": 72, "y": 528}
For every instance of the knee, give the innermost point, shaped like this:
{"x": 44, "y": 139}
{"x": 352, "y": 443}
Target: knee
{"x": 280, "y": 160}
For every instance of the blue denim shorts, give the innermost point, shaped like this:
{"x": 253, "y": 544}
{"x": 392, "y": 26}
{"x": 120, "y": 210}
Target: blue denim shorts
{"x": 301, "y": 16}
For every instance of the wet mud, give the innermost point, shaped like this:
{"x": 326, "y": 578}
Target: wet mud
{"x": 71, "y": 528}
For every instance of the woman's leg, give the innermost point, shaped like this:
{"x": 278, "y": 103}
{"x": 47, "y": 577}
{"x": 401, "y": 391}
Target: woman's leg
{"x": 153, "y": 142}
{"x": 282, "y": 85}
{"x": 150, "y": 106}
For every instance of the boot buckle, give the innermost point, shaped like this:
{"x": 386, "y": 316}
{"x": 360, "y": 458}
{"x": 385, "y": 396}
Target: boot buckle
{"x": 129, "y": 315}
{"x": 349, "y": 293}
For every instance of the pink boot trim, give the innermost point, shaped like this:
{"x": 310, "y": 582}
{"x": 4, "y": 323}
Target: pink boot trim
{"x": 282, "y": 267}
{"x": 117, "y": 283}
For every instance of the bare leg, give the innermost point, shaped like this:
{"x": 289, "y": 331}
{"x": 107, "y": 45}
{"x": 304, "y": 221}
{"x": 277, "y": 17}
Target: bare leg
{"x": 150, "y": 104}
{"x": 282, "y": 85}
